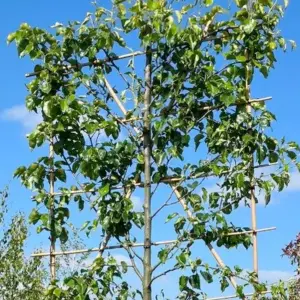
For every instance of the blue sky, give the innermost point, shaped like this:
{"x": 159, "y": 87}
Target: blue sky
{"x": 283, "y": 84}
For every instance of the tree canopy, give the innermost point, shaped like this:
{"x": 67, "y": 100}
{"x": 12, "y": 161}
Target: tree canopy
{"x": 154, "y": 95}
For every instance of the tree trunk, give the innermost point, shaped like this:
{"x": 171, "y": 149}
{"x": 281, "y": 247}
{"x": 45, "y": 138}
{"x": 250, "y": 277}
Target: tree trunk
{"x": 52, "y": 217}
{"x": 147, "y": 188}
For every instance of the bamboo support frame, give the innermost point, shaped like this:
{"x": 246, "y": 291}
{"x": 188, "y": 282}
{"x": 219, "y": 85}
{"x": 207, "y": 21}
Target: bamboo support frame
{"x": 169, "y": 181}
{"x": 136, "y": 245}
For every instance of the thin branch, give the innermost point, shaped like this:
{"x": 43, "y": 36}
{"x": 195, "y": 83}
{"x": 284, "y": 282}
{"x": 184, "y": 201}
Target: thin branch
{"x": 165, "y": 273}
{"x": 134, "y": 266}
{"x": 104, "y": 244}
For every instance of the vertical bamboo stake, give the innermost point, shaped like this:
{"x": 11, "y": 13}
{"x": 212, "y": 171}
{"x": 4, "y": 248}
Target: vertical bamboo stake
{"x": 253, "y": 214}
{"x": 251, "y": 175}
{"x": 147, "y": 189}
{"x": 51, "y": 216}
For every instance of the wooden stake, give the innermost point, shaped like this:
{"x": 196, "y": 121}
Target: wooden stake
{"x": 253, "y": 214}
{"x": 251, "y": 175}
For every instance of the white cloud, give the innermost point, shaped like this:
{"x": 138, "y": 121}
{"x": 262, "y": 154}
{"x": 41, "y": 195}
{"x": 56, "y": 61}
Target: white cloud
{"x": 137, "y": 203}
{"x": 121, "y": 257}
{"x": 272, "y": 276}
{"x": 294, "y": 184}
{"x": 21, "y": 115}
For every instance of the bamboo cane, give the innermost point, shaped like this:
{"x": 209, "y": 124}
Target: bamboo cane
{"x": 135, "y": 245}
{"x": 236, "y": 296}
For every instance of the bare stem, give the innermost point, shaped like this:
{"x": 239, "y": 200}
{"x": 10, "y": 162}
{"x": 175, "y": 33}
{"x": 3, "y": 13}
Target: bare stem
{"x": 147, "y": 294}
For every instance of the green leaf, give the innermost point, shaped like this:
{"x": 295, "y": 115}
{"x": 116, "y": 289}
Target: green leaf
{"x": 45, "y": 87}
{"x": 198, "y": 139}
{"x": 286, "y": 3}
{"x": 178, "y": 15}
{"x": 47, "y": 108}
{"x": 241, "y": 58}
{"x": 57, "y": 292}
{"x": 20, "y": 171}
{"x": 195, "y": 281}
{"x": 64, "y": 104}
{"x": 272, "y": 45}
{"x": 181, "y": 259}
{"x": 11, "y": 37}
{"x": 241, "y": 3}
{"x": 224, "y": 284}
{"x": 183, "y": 280}
{"x": 61, "y": 175}
{"x": 163, "y": 255}
{"x": 265, "y": 71}
{"x": 207, "y": 276}
{"x": 273, "y": 157}
{"x": 153, "y": 4}
{"x": 124, "y": 266}
{"x": 240, "y": 180}
{"x": 208, "y": 2}
{"x": 293, "y": 44}
{"x": 156, "y": 177}
{"x": 267, "y": 198}
{"x": 34, "y": 216}
{"x": 227, "y": 99}
{"x": 171, "y": 216}
{"x": 104, "y": 190}
{"x": 249, "y": 26}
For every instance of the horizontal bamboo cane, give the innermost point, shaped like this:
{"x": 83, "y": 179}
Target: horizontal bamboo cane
{"x": 166, "y": 180}
{"x": 236, "y": 296}
{"x": 119, "y": 246}
{"x": 204, "y": 108}
{"x": 99, "y": 62}
{"x": 251, "y": 231}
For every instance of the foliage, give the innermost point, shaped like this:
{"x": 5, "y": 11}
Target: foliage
{"x": 292, "y": 251}
{"x": 20, "y": 278}
{"x": 203, "y": 60}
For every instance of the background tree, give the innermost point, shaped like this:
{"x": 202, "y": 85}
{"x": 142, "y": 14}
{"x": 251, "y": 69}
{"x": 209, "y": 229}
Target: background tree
{"x": 292, "y": 251}
{"x": 20, "y": 278}
{"x": 186, "y": 115}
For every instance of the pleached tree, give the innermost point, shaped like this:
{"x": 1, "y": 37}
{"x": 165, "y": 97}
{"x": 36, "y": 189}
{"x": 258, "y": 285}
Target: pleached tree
{"x": 154, "y": 97}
